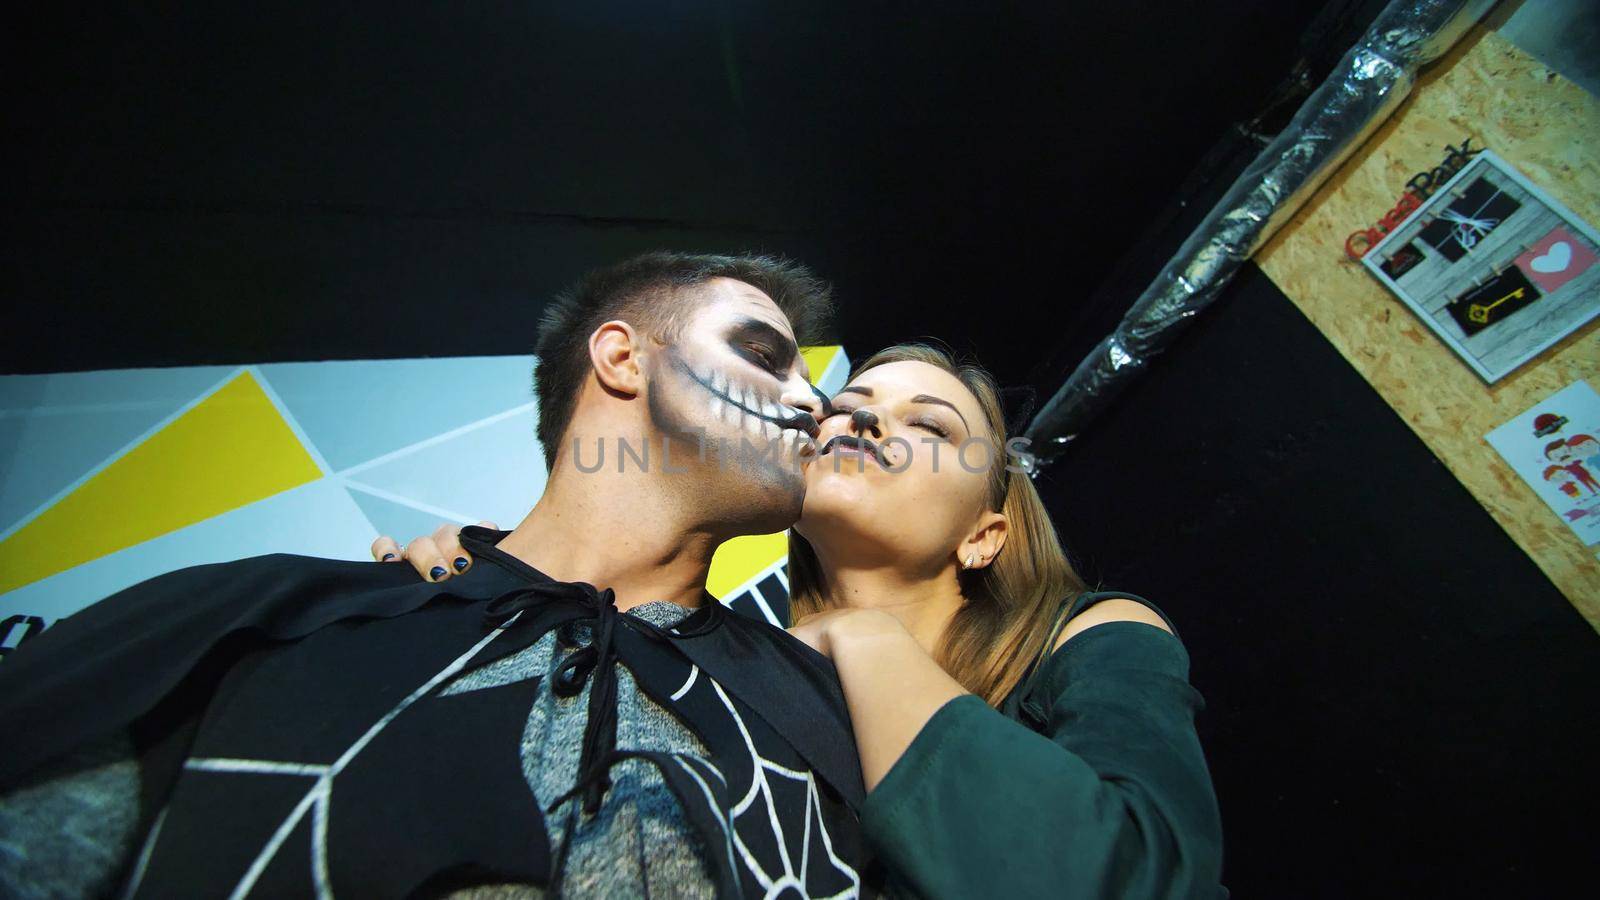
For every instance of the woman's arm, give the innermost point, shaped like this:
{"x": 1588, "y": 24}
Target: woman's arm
{"x": 1115, "y": 800}
{"x": 893, "y": 687}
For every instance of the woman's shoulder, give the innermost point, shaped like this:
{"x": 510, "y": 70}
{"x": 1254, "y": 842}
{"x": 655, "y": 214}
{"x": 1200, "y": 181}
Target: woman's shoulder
{"x": 1105, "y": 630}
{"x": 1091, "y": 608}
{"x": 1095, "y": 630}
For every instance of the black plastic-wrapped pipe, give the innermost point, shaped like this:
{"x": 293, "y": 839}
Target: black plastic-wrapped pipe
{"x": 1363, "y": 90}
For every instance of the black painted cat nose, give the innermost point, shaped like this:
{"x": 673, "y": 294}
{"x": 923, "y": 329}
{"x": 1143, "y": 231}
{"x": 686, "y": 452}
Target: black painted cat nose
{"x": 864, "y": 420}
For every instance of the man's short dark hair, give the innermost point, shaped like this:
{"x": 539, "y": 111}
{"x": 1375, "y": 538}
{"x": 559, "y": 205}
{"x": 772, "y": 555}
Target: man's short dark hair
{"x": 646, "y": 291}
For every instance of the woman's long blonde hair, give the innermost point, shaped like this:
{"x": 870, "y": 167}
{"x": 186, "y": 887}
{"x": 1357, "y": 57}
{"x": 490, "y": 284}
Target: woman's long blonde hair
{"x": 1013, "y": 604}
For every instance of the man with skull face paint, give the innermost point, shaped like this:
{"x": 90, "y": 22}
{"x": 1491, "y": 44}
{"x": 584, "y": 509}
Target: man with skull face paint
{"x": 573, "y": 715}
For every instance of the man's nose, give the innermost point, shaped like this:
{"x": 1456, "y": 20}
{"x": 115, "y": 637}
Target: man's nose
{"x": 809, "y": 401}
{"x": 802, "y": 394}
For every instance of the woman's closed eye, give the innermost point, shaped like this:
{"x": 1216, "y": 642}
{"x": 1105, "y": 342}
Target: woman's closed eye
{"x": 927, "y": 424}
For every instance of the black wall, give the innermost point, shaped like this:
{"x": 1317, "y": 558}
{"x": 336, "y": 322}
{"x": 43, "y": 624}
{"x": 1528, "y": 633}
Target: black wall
{"x": 226, "y": 182}
{"x": 1400, "y": 704}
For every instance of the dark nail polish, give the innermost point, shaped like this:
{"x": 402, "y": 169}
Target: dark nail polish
{"x": 437, "y": 573}
{"x": 461, "y": 564}
{"x": 388, "y": 556}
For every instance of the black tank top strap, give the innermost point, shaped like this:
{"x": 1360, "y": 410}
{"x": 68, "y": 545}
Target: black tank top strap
{"x": 1090, "y": 598}
{"x": 1071, "y": 607}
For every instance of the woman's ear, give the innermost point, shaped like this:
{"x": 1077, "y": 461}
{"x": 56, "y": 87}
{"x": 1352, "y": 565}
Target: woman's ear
{"x": 986, "y": 540}
{"x": 614, "y": 353}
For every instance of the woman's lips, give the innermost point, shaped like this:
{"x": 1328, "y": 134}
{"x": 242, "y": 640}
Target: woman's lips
{"x": 850, "y": 445}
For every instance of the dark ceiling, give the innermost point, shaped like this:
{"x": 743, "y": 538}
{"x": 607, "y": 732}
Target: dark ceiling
{"x": 228, "y": 183}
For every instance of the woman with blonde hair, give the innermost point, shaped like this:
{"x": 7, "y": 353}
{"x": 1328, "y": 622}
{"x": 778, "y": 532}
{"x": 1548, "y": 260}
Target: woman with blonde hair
{"x": 1019, "y": 734}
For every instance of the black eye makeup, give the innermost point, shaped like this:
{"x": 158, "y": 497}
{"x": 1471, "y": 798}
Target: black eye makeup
{"x": 763, "y": 345}
{"x": 764, "y": 357}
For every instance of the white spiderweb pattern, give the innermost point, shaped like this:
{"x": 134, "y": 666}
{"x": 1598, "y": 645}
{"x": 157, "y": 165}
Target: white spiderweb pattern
{"x": 756, "y": 802}
{"x": 318, "y": 798}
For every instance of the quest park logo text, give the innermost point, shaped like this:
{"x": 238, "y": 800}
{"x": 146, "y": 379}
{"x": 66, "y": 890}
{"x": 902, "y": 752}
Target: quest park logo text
{"x": 1417, "y": 190}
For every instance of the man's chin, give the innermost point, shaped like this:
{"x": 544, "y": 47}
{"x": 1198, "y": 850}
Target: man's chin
{"x": 788, "y": 490}
{"x": 775, "y": 496}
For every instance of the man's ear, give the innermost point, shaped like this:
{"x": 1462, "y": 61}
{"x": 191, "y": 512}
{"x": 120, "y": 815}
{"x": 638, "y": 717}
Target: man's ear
{"x": 614, "y": 352}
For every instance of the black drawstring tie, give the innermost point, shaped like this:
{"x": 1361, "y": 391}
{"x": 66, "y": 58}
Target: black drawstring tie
{"x": 567, "y": 679}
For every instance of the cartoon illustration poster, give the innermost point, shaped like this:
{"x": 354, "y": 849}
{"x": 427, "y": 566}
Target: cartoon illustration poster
{"x": 1555, "y": 447}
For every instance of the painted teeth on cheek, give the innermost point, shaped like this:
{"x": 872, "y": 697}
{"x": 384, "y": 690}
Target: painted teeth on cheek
{"x": 758, "y": 425}
{"x": 743, "y": 406}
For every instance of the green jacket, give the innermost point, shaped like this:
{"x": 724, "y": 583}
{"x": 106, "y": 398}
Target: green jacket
{"x": 1089, "y": 781}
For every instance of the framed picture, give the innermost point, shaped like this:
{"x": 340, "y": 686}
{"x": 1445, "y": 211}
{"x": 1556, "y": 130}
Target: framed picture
{"x": 1495, "y": 266}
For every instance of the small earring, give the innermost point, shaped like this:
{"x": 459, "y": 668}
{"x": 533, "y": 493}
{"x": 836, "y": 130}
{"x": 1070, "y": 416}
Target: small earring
{"x": 971, "y": 560}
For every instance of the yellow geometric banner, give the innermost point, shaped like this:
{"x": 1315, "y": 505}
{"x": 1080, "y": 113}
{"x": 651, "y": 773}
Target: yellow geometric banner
{"x": 230, "y": 449}
{"x": 234, "y": 447}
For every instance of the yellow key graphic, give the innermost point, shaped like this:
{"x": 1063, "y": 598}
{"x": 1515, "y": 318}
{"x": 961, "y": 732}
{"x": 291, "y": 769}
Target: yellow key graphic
{"x": 1480, "y": 314}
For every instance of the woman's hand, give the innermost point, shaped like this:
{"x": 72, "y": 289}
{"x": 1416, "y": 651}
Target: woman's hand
{"x": 891, "y": 685}
{"x": 820, "y": 630}
{"x": 428, "y": 554}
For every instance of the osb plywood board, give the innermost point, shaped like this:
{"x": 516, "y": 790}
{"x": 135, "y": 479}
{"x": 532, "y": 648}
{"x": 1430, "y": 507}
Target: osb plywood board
{"x": 1549, "y": 129}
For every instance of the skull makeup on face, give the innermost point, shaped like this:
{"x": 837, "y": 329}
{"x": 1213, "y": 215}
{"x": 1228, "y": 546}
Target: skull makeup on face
{"x": 733, "y": 398}
{"x": 753, "y": 411}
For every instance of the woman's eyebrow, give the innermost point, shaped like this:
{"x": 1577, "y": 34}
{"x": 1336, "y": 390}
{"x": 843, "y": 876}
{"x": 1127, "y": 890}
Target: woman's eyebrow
{"x": 920, "y": 398}
{"x": 929, "y": 398}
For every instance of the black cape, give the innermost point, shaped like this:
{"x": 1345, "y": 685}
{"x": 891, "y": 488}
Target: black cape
{"x": 151, "y": 659}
